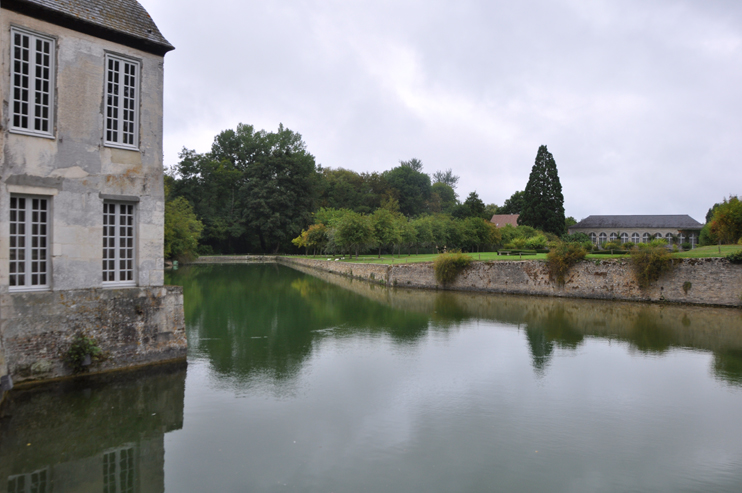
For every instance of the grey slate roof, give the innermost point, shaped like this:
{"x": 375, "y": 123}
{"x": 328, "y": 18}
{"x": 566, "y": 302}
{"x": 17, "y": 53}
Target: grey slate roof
{"x": 679, "y": 221}
{"x": 126, "y": 18}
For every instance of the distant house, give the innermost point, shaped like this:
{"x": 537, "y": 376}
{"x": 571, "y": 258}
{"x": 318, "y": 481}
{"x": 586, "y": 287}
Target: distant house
{"x": 501, "y": 220}
{"x": 81, "y": 197}
{"x": 676, "y": 229}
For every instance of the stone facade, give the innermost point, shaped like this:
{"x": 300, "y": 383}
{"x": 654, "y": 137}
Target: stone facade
{"x": 76, "y": 170}
{"x": 707, "y": 281}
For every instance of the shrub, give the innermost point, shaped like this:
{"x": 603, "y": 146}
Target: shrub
{"x": 628, "y": 245}
{"x": 448, "y": 266}
{"x": 575, "y": 238}
{"x": 82, "y": 346}
{"x": 735, "y": 257}
{"x": 657, "y": 242}
{"x": 536, "y": 243}
{"x": 562, "y": 258}
{"x": 686, "y": 246}
{"x": 612, "y": 245}
{"x": 650, "y": 262}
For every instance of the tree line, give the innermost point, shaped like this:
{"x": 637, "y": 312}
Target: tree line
{"x": 262, "y": 192}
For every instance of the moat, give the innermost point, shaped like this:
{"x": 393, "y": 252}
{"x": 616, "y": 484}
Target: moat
{"x": 307, "y": 382}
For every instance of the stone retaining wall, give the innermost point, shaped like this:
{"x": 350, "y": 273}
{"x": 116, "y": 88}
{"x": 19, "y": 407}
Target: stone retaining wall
{"x": 235, "y": 259}
{"x": 133, "y": 326}
{"x": 705, "y": 281}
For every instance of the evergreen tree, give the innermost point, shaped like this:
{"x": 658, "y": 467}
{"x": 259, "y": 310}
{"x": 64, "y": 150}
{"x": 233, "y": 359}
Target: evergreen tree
{"x": 543, "y": 202}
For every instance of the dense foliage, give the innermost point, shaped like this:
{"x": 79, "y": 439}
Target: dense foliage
{"x": 561, "y": 258}
{"x": 83, "y": 352}
{"x": 259, "y": 191}
{"x": 543, "y": 202}
{"x": 448, "y": 266}
{"x": 650, "y": 262}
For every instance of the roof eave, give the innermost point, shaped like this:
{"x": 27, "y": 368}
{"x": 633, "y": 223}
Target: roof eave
{"x": 80, "y": 25}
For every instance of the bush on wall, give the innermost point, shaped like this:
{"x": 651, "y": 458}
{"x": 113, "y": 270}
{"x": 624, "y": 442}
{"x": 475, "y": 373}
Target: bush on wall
{"x": 561, "y": 258}
{"x": 448, "y": 266}
{"x": 650, "y": 262}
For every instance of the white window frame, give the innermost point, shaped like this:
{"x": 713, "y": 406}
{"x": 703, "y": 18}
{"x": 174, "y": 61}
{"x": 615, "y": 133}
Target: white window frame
{"x": 120, "y": 469}
{"x": 114, "y": 251}
{"x": 602, "y": 238}
{"x": 40, "y": 250}
{"x": 37, "y": 481}
{"x": 35, "y": 85}
{"x": 624, "y": 238}
{"x": 118, "y": 125}
{"x": 593, "y": 238}
{"x": 635, "y": 238}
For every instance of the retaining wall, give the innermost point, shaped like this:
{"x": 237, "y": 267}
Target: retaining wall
{"x": 705, "y": 281}
{"x": 133, "y": 326}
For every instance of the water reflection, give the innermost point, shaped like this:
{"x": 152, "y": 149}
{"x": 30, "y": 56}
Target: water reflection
{"x": 265, "y": 319}
{"x": 102, "y": 433}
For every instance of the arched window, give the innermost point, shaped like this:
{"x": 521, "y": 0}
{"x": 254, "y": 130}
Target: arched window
{"x": 693, "y": 240}
{"x": 602, "y": 237}
{"x": 668, "y": 237}
{"x": 657, "y": 236}
{"x": 614, "y": 236}
{"x": 593, "y": 238}
{"x": 681, "y": 238}
{"x": 624, "y": 237}
{"x": 645, "y": 238}
{"x": 635, "y": 237}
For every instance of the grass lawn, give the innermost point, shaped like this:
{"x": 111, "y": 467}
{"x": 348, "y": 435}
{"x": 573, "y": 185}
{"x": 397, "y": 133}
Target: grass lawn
{"x": 708, "y": 251}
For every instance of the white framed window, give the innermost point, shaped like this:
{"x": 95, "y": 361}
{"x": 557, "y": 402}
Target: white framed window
{"x": 593, "y": 238}
{"x": 635, "y": 238}
{"x": 119, "y": 471}
{"x": 624, "y": 237}
{"x": 31, "y": 83}
{"x": 35, "y": 482}
{"x": 602, "y": 238}
{"x": 122, "y": 103}
{"x": 614, "y": 236}
{"x": 119, "y": 240}
{"x": 646, "y": 238}
{"x": 29, "y": 240}
{"x": 669, "y": 238}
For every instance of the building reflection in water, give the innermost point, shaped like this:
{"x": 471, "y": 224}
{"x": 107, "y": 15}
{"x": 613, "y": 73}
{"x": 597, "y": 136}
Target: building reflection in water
{"x": 98, "y": 434}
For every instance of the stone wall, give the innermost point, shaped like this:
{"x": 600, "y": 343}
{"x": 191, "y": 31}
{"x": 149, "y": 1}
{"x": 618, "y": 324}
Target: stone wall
{"x": 369, "y": 272}
{"x": 133, "y": 326}
{"x": 707, "y": 281}
{"x": 235, "y": 259}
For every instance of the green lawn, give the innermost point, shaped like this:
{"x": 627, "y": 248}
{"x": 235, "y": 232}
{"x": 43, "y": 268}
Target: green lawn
{"x": 709, "y": 251}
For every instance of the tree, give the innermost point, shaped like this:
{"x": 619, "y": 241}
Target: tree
{"x": 413, "y": 163}
{"x": 385, "y": 226}
{"x": 513, "y": 205}
{"x": 726, "y": 224}
{"x": 253, "y": 188}
{"x": 543, "y": 202}
{"x": 475, "y": 205}
{"x": 444, "y": 196}
{"x": 446, "y": 177}
{"x": 353, "y": 231}
{"x": 412, "y": 186}
{"x": 182, "y": 229}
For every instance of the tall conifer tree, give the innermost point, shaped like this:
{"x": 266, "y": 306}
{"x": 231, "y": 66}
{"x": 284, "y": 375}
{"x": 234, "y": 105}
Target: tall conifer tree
{"x": 543, "y": 202}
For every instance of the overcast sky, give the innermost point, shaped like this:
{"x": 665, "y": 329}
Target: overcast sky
{"x": 640, "y": 102}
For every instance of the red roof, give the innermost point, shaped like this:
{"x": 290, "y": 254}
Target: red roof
{"x": 501, "y": 220}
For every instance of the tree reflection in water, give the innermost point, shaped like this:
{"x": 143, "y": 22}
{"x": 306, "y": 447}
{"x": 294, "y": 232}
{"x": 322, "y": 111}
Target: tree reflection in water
{"x": 264, "y": 319}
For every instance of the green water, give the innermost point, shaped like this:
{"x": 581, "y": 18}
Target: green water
{"x": 322, "y": 384}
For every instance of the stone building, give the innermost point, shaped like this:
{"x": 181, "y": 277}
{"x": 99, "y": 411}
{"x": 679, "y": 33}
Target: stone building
{"x": 81, "y": 197}
{"x": 677, "y": 229}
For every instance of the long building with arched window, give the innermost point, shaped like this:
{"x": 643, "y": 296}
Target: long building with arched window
{"x": 676, "y": 229}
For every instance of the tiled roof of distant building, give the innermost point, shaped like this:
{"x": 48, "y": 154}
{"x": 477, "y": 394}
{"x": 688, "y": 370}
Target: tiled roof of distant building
{"x": 677, "y": 221}
{"x": 501, "y": 220}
